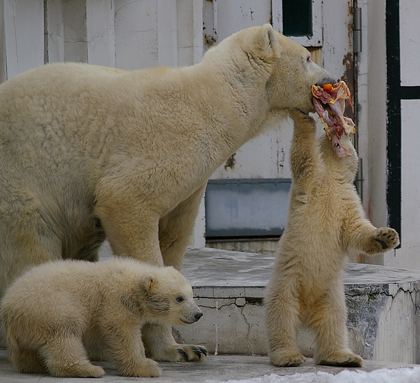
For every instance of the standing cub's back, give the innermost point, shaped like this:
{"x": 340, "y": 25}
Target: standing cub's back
{"x": 56, "y": 310}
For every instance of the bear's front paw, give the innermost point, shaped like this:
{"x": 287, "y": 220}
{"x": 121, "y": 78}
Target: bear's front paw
{"x": 191, "y": 353}
{"x": 287, "y": 358}
{"x": 383, "y": 239}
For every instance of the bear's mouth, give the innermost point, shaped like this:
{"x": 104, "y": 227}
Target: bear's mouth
{"x": 188, "y": 321}
{"x": 329, "y": 102}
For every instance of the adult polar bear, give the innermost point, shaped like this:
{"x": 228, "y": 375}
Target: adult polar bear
{"x": 88, "y": 153}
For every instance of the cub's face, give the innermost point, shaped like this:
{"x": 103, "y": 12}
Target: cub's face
{"x": 169, "y": 298}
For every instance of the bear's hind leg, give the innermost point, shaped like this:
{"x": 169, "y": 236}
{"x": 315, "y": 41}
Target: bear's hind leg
{"x": 27, "y": 361}
{"x": 282, "y": 319}
{"x": 328, "y": 320}
{"x": 65, "y": 356}
{"x": 176, "y": 228}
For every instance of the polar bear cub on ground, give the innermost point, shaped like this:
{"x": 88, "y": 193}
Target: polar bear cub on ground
{"x": 55, "y": 313}
{"x": 325, "y": 221}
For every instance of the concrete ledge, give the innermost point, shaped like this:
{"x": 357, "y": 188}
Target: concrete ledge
{"x": 214, "y": 368}
{"x": 383, "y": 318}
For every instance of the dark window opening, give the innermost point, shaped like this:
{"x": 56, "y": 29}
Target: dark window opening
{"x": 297, "y": 17}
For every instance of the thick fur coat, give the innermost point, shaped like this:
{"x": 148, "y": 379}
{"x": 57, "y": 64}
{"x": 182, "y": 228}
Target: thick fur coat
{"x": 88, "y": 152}
{"x": 326, "y": 221}
{"x": 59, "y": 313}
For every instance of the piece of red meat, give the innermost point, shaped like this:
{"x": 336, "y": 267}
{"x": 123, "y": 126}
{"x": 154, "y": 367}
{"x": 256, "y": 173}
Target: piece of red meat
{"x": 329, "y": 105}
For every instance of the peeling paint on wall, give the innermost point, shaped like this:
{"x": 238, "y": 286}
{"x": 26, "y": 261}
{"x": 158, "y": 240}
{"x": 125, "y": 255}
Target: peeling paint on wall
{"x": 231, "y": 162}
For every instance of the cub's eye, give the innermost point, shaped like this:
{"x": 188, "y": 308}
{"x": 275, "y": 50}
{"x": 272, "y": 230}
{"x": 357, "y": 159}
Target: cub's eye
{"x": 179, "y": 299}
{"x": 308, "y": 59}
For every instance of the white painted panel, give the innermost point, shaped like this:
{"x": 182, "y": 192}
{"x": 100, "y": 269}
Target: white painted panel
{"x": 337, "y": 39}
{"x": 190, "y": 31}
{"x": 24, "y": 35}
{"x": 55, "y": 31}
{"x": 100, "y": 32}
{"x": 410, "y": 42}
{"x": 136, "y": 34}
{"x": 265, "y": 156}
{"x": 228, "y": 17}
{"x": 167, "y": 33}
{"x": 407, "y": 256}
{"x": 75, "y": 38}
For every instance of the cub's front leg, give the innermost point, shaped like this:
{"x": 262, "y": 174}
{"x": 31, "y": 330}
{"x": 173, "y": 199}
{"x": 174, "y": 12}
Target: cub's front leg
{"x": 126, "y": 348}
{"x": 362, "y": 236}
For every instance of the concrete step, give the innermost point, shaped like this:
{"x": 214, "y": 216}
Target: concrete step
{"x": 383, "y": 302}
{"x": 214, "y": 369}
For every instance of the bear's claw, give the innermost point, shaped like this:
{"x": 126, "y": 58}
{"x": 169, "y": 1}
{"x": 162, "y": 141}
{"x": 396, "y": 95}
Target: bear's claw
{"x": 387, "y": 238}
{"x": 199, "y": 350}
{"x": 191, "y": 353}
{"x": 183, "y": 353}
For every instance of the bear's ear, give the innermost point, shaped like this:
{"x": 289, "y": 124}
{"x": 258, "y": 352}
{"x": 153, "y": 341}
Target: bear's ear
{"x": 148, "y": 282}
{"x": 269, "y": 39}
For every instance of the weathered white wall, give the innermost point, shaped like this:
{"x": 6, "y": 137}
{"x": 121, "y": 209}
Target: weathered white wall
{"x": 372, "y": 135}
{"x": 133, "y": 34}
{"x": 408, "y": 254}
{"x": 22, "y": 33}
{"x": 410, "y": 42}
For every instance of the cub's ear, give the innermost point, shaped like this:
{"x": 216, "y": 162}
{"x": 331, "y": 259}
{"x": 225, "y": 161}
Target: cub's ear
{"x": 269, "y": 39}
{"x": 149, "y": 281}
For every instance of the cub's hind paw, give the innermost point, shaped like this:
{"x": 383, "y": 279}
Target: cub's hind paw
{"x": 342, "y": 359}
{"x": 287, "y": 358}
{"x": 384, "y": 239}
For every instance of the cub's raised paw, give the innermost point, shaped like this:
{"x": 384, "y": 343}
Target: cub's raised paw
{"x": 383, "y": 240}
{"x": 191, "y": 353}
{"x": 343, "y": 359}
{"x": 284, "y": 358}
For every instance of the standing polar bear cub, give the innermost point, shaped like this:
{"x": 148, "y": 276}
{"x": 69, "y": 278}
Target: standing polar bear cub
{"x": 325, "y": 221}
{"x": 88, "y": 152}
{"x": 56, "y": 312}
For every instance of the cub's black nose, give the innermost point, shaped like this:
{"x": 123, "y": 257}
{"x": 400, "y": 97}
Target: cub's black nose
{"x": 198, "y": 316}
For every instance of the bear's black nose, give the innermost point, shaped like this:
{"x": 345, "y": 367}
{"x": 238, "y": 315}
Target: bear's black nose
{"x": 198, "y": 316}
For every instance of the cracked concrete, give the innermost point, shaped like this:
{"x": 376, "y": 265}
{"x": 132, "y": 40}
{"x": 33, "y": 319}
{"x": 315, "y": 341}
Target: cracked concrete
{"x": 383, "y": 306}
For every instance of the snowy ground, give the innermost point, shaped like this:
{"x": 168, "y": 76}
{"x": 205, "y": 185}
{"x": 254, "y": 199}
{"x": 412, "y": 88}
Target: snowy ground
{"x": 400, "y": 375}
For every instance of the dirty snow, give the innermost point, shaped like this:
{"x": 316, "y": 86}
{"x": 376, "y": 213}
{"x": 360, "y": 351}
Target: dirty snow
{"x": 399, "y": 375}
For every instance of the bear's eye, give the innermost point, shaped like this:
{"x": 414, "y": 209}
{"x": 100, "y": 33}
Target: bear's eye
{"x": 179, "y": 299}
{"x": 308, "y": 59}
